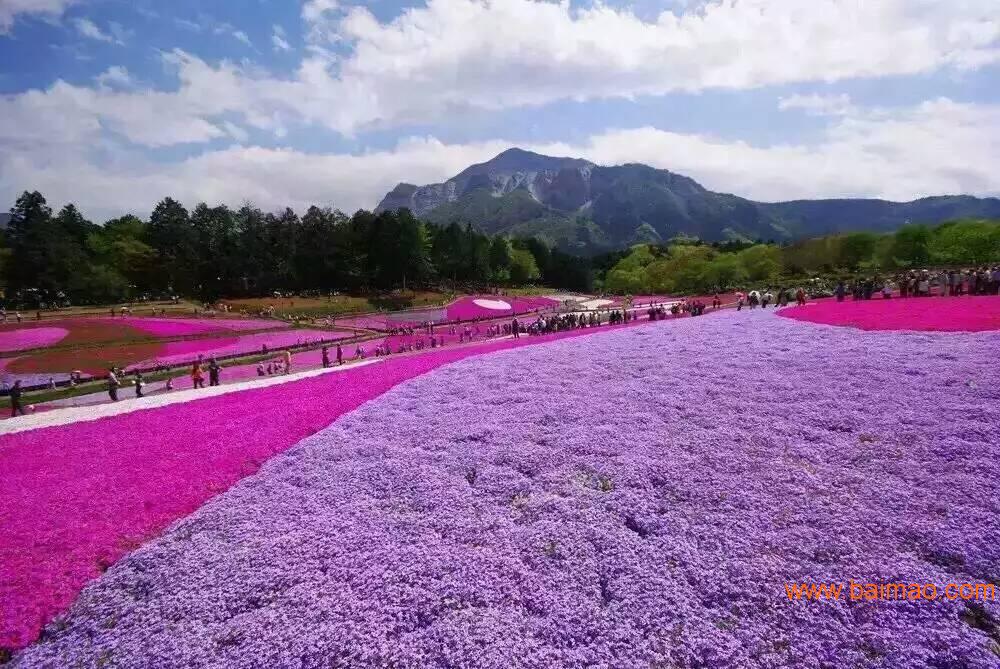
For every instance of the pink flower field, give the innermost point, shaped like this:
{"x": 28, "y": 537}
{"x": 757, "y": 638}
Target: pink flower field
{"x": 110, "y": 485}
{"x": 28, "y": 338}
{"x": 180, "y": 327}
{"x": 628, "y": 496}
{"x": 933, "y": 314}
{"x": 493, "y": 306}
{"x": 179, "y": 352}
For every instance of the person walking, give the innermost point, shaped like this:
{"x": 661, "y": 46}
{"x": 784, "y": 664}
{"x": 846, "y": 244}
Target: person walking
{"x": 197, "y": 376}
{"x": 139, "y": 383}
{"x": 340, "y": 355}
{"x": 288, "y": 361}
{"x": 326, "y": 357}
{"x": 515, "y": 327}
{"x": 15, "y": 400}
{"x": 113, "y": 384}
{"x": 213, "y": 372}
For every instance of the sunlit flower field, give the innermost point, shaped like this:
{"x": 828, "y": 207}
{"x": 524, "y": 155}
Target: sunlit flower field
{"x": 634, "y": 497}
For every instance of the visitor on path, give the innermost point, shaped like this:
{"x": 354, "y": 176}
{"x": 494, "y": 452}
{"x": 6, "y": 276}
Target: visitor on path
{"x": 139, "y": 383}
{"x": 740, "y": 299}
{"x": 515, "y": 327}
{"x": 197, "y": 376}
{"x": 15, "y": 400}
{"x": 260, "y": 368}
{"x": 113, "y": 384}
{"x": 716, "y": 302}
{"x": 800, "y": 297}
{"x": 326, "y": 357}
{"x": 840, "y": 290}
{"x": 340, "y": 355}
{"x": 288, "y": 361}
{"x": 886, "y": 290}
{"x": 169, "y": 385}
{"x": 213, "y": 372}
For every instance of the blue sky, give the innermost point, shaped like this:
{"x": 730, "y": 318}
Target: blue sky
{"x": 115, "y": 104}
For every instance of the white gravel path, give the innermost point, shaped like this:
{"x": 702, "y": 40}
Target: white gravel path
{"x": 33, "y": 421}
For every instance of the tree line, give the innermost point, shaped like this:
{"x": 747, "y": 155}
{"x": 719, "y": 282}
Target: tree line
{"x": 689, "y": 266}
{"x": 213, "y": 252}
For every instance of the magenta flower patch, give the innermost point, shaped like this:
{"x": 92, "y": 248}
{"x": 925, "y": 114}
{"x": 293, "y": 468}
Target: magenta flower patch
{"x": 27, "y": 338}
{"x": 940, "y": 314}
{"x": 635, "y": 498}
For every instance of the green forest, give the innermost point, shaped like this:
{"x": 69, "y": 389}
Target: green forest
{"x": 55, "y": 258}
{"x": 687, "y": 266}
{"x": 210, "y": 252}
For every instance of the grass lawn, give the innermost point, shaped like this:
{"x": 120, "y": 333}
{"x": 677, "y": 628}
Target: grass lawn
{"x": 340, "y": 304}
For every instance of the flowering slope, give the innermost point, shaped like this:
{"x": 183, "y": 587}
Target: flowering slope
{"x": 107, "y": 486}
{"x": 942, "y": 314}
{"x": 639, "y": 499}
{"x": 25, "y": 338}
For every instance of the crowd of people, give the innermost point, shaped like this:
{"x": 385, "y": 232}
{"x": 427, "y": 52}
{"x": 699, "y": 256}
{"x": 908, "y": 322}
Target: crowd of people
{"x": 765, "y": 298}
{"x": 924, "y": 283}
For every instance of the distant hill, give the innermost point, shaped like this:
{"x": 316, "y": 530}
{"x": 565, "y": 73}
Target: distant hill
{"x": 583, "y": 207}
{"x": 4, "y": 221}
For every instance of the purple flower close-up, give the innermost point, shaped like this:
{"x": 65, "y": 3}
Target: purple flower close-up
{"x": 640, "y": 497}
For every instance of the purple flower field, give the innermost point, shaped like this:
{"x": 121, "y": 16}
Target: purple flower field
{"x": 633, "y": 498}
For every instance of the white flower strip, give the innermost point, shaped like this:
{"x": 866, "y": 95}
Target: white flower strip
{"x": 499, "y": 305}
{"x": 89, "y": 413}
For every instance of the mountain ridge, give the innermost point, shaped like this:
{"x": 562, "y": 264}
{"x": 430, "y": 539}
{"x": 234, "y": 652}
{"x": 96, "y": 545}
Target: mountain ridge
{"x": 583, "y": 207}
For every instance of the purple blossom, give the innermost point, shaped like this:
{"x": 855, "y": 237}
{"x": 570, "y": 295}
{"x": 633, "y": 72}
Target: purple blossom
{"x": 634, "y": 498}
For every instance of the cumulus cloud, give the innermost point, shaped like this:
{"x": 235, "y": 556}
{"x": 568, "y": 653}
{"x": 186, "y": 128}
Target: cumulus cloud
{"x": 11, "y": 9}
{"x": 938, "y": 147}
{"x": 453, "y": 55}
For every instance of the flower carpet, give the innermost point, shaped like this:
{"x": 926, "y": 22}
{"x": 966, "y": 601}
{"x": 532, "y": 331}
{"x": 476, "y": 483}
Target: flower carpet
{"x": 28, "y": 338}
{"x": 941, "y": 314}
{"x": 640, "y": 496}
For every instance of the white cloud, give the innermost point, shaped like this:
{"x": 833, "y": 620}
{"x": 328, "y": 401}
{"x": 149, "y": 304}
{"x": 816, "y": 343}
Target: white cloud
{"x": 818, "y": 105}
{"x": 321, "y": 18}
{"x": 453, "y": 55}
{"x": 938, "y": 147}
{"x": 115, "y": 76}
{"x": 236, "y": 132}
{"x": 11, "y": 9}
{"x": 492, "y": 54}
{"x": 314, "y": 11}
{"x": 279, "y": 39}
{"x": 87, "y": 28}
{"x": 229, "y": 29}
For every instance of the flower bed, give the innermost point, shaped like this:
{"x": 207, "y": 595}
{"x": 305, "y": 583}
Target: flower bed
{"x": 180, "y": 327}
{"x": 23, "y": 339}
{"x": 935, "y": 314}
{"x": 644, "y": 512}
{"x": 110, "y": 485}
{"x": 179, "y": 352}
{"x": 470, "y": 308}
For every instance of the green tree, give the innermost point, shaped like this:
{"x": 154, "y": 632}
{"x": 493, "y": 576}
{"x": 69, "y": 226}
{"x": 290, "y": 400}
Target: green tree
{"x": 523, "y": 267}
{"x": 761, "y": 262}
{"x": 856, "y": 248}
{"x": 175, "y": 242}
